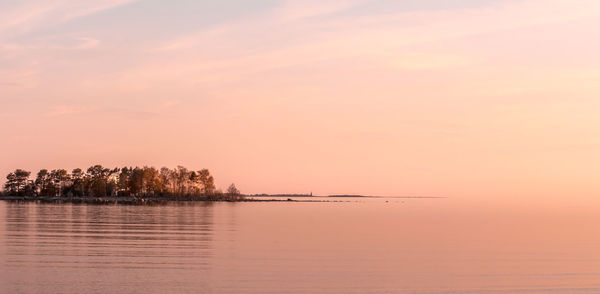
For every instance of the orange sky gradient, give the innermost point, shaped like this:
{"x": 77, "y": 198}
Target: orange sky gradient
{"x": 489, "y": 100}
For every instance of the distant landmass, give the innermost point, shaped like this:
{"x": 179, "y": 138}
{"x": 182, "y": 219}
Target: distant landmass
{"x": 280, "y": 195}
{"x": 306, "y": 195}
{"x": 347, "y": 196}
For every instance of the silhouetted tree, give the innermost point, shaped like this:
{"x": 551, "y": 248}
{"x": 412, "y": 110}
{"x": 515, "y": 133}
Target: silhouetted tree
{"x": 233, "y": 193}
{"x": 78, "y": 184}
{"x": 165, "y": 180}
{"x": 42, "y": 181}
{"x": 99, "y": 181}
{"x": 59, "y": 178}
{"x": 207, "y": 182}
{"x": 152, "y": 184}
{"x": 182, "y": 177}
{"x": 16, "y": 183}
{"x": 136, "y": 181}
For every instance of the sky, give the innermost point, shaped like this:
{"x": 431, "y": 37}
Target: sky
{"x": 479, "y": 99}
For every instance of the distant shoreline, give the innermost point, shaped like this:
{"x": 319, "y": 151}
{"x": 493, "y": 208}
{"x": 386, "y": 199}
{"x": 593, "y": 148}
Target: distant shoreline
{"x": 341, "y": 196}
{"x": 281, "y": 195}
{"x": 386, "y": 197}
{"x": 348, "y": 196}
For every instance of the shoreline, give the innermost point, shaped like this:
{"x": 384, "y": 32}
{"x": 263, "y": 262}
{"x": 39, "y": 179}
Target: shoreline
{"x": 119, "y": 200}
{"x": 123, "y": 200}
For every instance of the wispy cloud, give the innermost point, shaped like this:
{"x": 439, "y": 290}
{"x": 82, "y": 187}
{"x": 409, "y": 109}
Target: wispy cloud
{"x": 31, "y": 15}
{"x": 21, "y": 75}
{"x": 402, "y": 41}
{"x": 86, "y": 43}
{"x": 53, "y": 43}
{"x": 78, "y": 9}
{"x": 25, "y": 16}
{"x": 393, "y": 28}
{"x": 295, "y": 10}
{"x": 149, "y": 112}
{"x": 62, "y": 110}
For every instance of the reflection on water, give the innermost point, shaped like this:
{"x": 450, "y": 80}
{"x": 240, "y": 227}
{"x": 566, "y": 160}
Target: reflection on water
{"x": 356, "y": 246}
{"x": 81, "y": 248}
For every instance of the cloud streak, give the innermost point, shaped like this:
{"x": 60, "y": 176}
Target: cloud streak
{"x": 403, "y": 41}
{"x": 54, "y": 43}
{"x": 35, "y": 14}
{"x": 63, "y": 110}
{"x": 293, "y": 10}
{"x": 105, "y": 112}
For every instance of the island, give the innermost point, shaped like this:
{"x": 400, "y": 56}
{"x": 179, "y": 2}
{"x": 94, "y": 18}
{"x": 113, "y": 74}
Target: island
{"x": 99, "y": 184}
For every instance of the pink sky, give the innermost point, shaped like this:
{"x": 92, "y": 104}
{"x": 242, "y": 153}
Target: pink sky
{"x": 497, "y": 99}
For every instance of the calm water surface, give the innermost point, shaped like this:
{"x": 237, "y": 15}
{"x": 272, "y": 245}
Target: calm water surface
{"x": 358, "y": 246}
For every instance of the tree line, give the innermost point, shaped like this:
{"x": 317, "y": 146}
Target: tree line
{"x": 98, "y": 181}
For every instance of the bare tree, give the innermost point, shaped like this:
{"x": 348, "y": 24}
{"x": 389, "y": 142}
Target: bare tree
{"x": 233, "y": 193}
